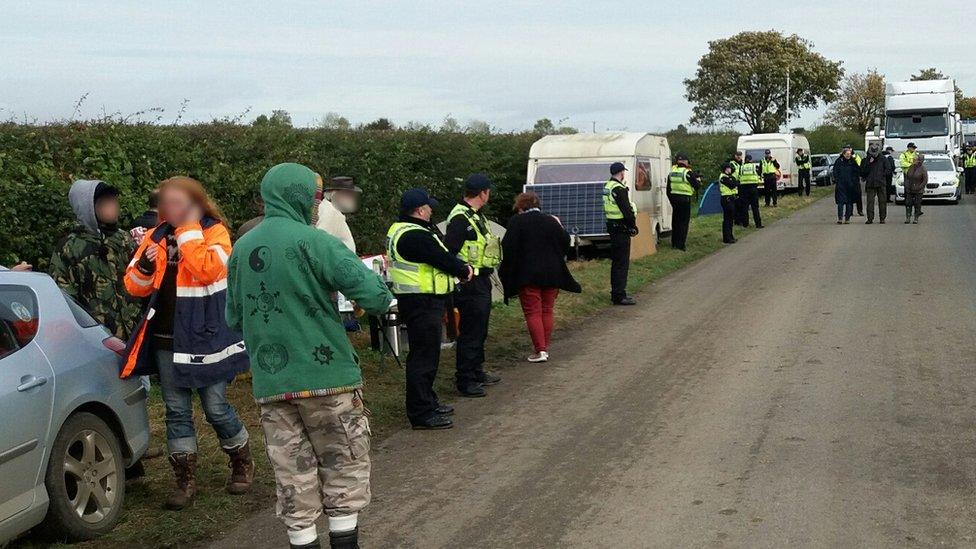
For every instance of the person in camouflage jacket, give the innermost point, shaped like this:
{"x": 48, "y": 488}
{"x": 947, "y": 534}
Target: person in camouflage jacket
{"x": 90, "y": 261}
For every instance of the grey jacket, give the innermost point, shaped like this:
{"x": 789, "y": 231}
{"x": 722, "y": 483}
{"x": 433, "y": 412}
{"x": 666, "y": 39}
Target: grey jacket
{"x": 916, "y": 177}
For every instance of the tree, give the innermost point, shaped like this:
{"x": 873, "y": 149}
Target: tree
{"x": 861, "y": 100}
{"x": 333, "y": 121}
{"x": 478, "y": 127}
{"x": 544, "y": 126}
{"x": 380, "y": 124}
{"x": 743, "y": 79}
{"x": 450, "y": 125}
{"x": 279, "y": 118}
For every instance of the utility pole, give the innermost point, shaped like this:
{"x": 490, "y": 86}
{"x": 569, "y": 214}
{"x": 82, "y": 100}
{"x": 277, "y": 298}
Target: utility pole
{"x": 594, "y": 126}
{"x": 787, "y": 100}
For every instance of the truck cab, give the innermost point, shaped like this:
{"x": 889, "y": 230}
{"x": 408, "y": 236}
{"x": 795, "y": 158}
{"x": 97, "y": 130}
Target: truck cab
{"x": 923, "y": 112}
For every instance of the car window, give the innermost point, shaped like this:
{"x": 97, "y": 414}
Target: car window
{"x": 818, "y": 161}
{"x": 82, "y": 317}
{"x": 18, "y": 318}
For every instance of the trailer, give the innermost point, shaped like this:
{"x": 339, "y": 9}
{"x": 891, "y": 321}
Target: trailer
{"x": 568, "y": 172}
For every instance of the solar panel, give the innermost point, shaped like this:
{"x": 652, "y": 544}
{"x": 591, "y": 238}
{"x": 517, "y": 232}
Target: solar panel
{"x": 578, "y": 205}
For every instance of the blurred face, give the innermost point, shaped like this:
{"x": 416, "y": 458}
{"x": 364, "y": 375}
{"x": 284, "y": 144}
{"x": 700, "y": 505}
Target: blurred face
{"x": 847, "y": 153}
{"x": 424, "y": 212}
{"x": 345, "y": 201}
{"x": 107, "y": 210}
{"x": 175, "y": 205}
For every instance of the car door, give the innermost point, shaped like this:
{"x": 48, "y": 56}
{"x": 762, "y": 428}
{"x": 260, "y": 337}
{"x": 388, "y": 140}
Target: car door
{"x": 26, "y": 394}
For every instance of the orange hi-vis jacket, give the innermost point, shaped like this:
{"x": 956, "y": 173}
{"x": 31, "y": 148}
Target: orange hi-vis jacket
{"x": 205, "y": 350}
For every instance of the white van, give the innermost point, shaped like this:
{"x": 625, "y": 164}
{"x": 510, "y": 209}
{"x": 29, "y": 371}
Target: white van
{"x": 568, "y": 172}
{"x": 783, "y": 146}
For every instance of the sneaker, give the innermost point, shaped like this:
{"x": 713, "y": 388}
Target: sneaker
{"x": 541, "y": 356}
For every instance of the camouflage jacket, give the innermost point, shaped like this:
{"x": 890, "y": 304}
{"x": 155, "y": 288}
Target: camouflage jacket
{"x": 89, "y": 267}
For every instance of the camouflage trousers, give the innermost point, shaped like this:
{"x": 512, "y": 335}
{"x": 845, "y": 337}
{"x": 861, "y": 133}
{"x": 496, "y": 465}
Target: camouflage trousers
{"x": 319, "y": 448}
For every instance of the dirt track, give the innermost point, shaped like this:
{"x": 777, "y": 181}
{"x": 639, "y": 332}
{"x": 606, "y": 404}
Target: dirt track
{"x": 812, "y": 385}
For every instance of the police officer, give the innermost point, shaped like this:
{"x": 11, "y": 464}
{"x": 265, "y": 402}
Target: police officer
{"x": 769, "y": 168}
{"x": 749, "y": 192}
{"x": 736, "y": 164}
{"x": 422, "y": 273}
{"x": 469, "y": 237}
{"x": 682, "y": 184}
{"x": 969, "y": 169}
{"x": 907, "y": 158}
{"x": 621, "y": 214}
{"x": 728, "y": 187}
{"x": 803, "y": 166}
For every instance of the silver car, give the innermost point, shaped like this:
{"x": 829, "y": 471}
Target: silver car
{"x": 69, "y": 427}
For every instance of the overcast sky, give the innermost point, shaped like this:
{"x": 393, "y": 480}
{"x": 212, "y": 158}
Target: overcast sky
{"x": 509, "y": 63}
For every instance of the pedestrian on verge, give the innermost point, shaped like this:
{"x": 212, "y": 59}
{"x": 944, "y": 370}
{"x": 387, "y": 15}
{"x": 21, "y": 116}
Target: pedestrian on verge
{"x": 890, "y": 170}
{"x": 534, "y": 268}
{"x": 969, "y": 169}
{"x": 469, "y": 237}
{"x": 729, "y": 189}
{"x": 916, "y": 177}
{"x": 749, "y": 180}
{"x": 340, "y": 198}
{"x": 90, "y": 261}
{"x": 682, "y": 185}
{"x": 621, "y": 215}
{"x": 181, "y": 266}
{"x": 803, "y": 167}
{"x": 422, "y": 272}
{"x": 769, "y": 167}
{"x": 874, "y": 169}
{"x": 308, "y": 382}
{"x": 847, "y": 182}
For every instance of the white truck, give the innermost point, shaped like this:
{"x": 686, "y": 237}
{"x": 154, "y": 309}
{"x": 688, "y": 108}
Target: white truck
{"x": 782, "y": 146}
{"x": 568, "y": 172}
{"x": 922, "y": 112}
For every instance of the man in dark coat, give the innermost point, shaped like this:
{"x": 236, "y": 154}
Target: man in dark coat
{"x": 847, "y": 177}
{"x": 874, "y": 169}
{"x": 890, "y": 162}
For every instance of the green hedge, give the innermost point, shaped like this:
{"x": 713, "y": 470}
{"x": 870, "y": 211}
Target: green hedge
{"x": 38, "y": 163}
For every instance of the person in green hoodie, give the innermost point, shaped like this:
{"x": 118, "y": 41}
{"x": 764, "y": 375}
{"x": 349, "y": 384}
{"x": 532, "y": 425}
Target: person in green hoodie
{"x": 281, "y": 275}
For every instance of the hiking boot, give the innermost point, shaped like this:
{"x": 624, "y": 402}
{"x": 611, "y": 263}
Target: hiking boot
{"x": 185, "y": 470}
{"x": 345, "y": 540}
{"x": 241, "y": 469}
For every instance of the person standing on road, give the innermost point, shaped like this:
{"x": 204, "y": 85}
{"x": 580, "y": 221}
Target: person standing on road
{"x": 969, "y": 169}
{"x": 874, "y": 169}
{"x": 847, "y": 178}
{"x": 769, "y": 167}
{"x": 341, "y": 198}
{"x": 307, "y": 381}
{"x": 749, "y": 193}
{"x": 916, "y": 177}
{"x": 728, "y": 188}
{"x": 534, "y": 268}
{"x": 181, "y": 267}
{"x": 621, "y": 215}
{"x": 682, "y": 184}
{"x": 422, "y": 271}
{"x": 469, "y": 237}
{"x": 890, "y": 171}
{"x": 803, "y": 167}
{"x": 907, "y": 158}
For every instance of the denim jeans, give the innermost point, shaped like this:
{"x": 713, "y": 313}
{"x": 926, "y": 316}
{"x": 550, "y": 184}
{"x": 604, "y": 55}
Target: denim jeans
{"x": 181, "y": 436}
{"x": 845, "y": 211}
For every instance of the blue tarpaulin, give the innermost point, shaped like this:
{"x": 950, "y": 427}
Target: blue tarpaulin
{"x": 711, "y": 200}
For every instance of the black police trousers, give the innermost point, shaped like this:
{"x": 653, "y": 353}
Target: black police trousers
{"x": 803, "y": 178}
{"x": 728, "y": 218}
{"x": 769, "y": 190}
{"x": 748, "y": 198}
{"x": 619, "y": 261}
{"x": 422, "y": 314}
{"x": 473, "y": 302}
{"x": 680, "y": 218}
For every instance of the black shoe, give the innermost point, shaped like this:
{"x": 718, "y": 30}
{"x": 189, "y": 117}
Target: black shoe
{"x": 882, "y": 221}
{"x": 869, "y": 222}
{"x": 312, "y": 545}
{"x": 475, "y": 390}
{"x": 431, "y": 424}
{"x": 488, "y": 378}
{"x": 345, "y": 540}
{"x": 625, "y": 301}
{"x": 760, "y": 226}
{"x": 444, "y": 410}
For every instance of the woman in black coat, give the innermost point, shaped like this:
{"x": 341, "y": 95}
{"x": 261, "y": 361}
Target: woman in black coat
{"x": 534, "y": 268}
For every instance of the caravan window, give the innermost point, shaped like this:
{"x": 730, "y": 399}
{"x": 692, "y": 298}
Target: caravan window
{"x": 547, "y": 174}
{"x": 756, "y": 154}
{"x": 642, "y": 179}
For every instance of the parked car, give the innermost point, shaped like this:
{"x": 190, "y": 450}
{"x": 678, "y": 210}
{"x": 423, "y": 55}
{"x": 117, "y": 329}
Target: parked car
{"x": 822, "y": 169}
{"x": 943, "y": 180}
{"x": 70, "y": 426}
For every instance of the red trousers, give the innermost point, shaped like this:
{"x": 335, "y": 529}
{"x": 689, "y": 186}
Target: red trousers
{"x": 537, "y": 306}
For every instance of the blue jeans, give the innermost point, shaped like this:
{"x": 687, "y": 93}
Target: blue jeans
{"x": 181, "y": 436}
{"x": 845, "y": 211}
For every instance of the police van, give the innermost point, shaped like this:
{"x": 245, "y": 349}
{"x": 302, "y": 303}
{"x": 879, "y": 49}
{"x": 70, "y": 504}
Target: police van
{"x": 568, "y": 172}
{"x": 783, "y": 147}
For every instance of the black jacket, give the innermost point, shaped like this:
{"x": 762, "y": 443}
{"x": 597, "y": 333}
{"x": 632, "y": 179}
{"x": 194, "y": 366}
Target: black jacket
{"x": 874, "y": 170}
{"x": 534, "y": 254}
{"x": 422, "y": 247}
{"x": 148, "y": 220}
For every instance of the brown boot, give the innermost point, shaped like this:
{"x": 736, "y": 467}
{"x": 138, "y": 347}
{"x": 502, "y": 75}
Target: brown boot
{"x": 185, "y": 470}
{"x": 241, "y": 469}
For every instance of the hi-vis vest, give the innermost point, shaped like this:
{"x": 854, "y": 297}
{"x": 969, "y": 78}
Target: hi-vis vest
{"x": 803, "y": 162}
{"x": 970, "y": 160}
{"x": 726, "y": 191}
{"x": 736, "y": 169}
{"x": 768, "y": 167}
{"x": 906, "y": 159}
{"x": 678, "y": 178}
{"x": 749, "y": 174}
{"x": 486, "y": 251}
{"x": 414, "y": 278}
{"x": 610, "y": 208}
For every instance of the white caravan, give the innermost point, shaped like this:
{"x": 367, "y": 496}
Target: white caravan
{"x": 568, "y": 173}
{"x": 783, "y": 147}
{"x": 922, "y": 112}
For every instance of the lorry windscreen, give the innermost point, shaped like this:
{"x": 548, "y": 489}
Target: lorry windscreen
{"x": 917, "y": 125}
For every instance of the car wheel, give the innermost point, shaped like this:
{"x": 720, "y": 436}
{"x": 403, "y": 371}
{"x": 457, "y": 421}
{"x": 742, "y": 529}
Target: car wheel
{"x": 85, "y": 479}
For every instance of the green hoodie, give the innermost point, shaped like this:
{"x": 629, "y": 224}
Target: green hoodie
{"x": 280, "y": 278}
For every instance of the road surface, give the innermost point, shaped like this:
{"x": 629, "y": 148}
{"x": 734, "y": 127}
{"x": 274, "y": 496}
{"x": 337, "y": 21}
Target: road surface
{"x": 813, "y": 385}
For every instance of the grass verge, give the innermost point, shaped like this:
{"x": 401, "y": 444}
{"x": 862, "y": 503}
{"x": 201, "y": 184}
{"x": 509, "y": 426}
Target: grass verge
{"x": 145, "y": 524}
